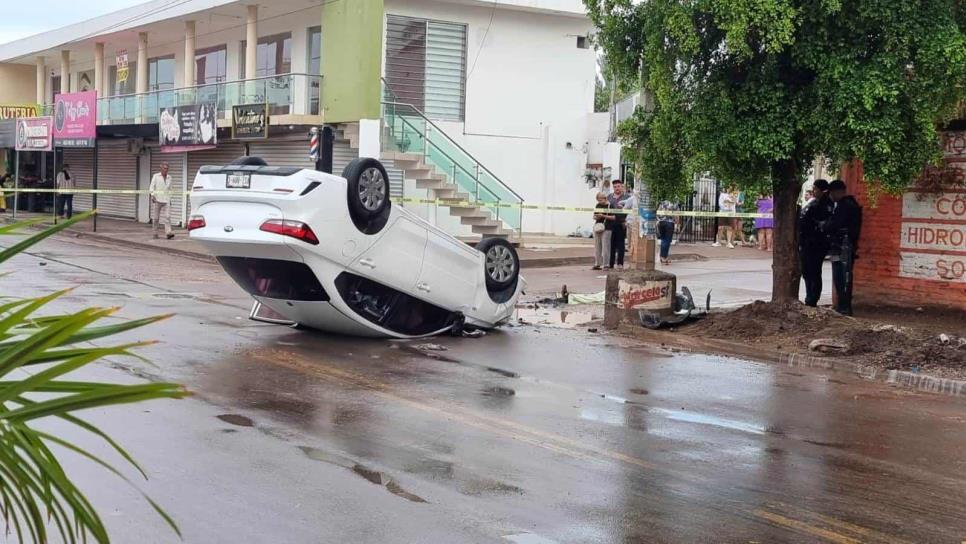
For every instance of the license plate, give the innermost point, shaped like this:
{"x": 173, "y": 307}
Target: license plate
{"x": 239, "y": 181}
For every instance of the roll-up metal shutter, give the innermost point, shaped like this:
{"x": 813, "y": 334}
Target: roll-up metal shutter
{"x": 176, "y": 166}
{"x": 220, "y": 156}
{"x": 81, "y": 163}
{"x": 342, "y": 155}
{"x": 116, "y": 169}
{"x": 283, "y": 152}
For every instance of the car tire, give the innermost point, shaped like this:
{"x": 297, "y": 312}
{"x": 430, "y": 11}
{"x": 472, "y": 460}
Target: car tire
{"x": 501, "y": 264}
{"x": 367, "y": 192}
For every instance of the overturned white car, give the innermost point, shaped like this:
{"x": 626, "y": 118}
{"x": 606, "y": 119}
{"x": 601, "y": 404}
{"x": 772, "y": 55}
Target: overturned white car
{"x": 332, "y": 253}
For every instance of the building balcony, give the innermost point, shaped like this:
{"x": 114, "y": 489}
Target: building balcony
{"x": 294, "y": 96}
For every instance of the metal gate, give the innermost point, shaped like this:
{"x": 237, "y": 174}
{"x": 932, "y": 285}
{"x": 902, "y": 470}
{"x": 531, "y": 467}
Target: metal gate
{"x": 703, "y": 198}
{"x": 116, "y": 169}
{"x": 81, "y": 163}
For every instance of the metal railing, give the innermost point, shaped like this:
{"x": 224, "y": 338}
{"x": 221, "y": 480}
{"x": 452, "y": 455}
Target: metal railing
{"x": 408, "y": 130}
{"x": 284, "y": 93}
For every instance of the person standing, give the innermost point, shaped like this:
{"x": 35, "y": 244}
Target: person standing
{"x": 65, "y": 182}
{"x": 726, "y": 204}
{"x": 843, "y": 229}
{"x": 813, "y": 244}
{"x": 618, "y": 229}
{"x": 601, "y": 232}
{"x": 160, "y": 191}
{"x": 665, "y": 233}
{"x": 765, "y": 225}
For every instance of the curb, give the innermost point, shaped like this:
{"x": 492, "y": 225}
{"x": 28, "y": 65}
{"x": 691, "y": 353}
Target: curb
{"x": 198, "y": 256}
{"x": 896, "y": 378}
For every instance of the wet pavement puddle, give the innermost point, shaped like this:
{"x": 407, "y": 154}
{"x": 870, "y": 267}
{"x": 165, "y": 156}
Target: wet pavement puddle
{"x": 372, "y": 476}
{"x": 236, "y": 419}
{"x": 701, "y": 419}
{"x": 561, "y": 319}
{"x": 529, "y": 538}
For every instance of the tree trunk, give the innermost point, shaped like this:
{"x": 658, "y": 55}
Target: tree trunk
{"x": 786, "y": 268}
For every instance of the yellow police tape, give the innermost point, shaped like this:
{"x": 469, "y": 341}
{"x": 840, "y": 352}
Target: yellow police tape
{"x": 435, "y": 202}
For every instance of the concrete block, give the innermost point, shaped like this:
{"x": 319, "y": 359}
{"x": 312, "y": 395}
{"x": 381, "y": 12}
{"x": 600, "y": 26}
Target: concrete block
{"x": 628, "y": 291}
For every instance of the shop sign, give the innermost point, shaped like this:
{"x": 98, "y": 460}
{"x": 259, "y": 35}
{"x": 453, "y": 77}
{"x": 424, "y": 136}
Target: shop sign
{"x": 650, "y": 295}
{"x": 16, "y": 111}
{"x": 122, "y": 67}
{"x": 249, "y": 122}
{"x": 183, "y": 128}
{"x": 927, "y": 266}
{"x": 35, "y": 134}
{"x": 75, "y": 119}
{"x": 933, "y": 233}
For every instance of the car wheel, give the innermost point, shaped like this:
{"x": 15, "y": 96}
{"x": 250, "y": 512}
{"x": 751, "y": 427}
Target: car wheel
{"x": 368, "y": 194}
{"x": 501, "y": 265}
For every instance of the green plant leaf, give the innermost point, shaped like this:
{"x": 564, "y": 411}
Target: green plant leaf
{"x": 23, "y": 245}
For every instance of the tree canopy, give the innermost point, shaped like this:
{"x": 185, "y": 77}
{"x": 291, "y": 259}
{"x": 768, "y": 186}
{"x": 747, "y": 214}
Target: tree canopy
{"x": 753, "y": 89}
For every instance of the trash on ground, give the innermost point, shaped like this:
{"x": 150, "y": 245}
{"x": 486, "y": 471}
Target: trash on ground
{"x": 430, "y": 347}
{"x": 684, "y": 310}
{"x": 944, "y": 339}
{"x": 586, "y": 298}
{"x": 827, "y": 345}
{"x": 475, "y": 333}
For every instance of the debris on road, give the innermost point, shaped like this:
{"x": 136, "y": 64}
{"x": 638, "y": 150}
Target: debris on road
{"x": 794, "y": 327}
{"x": 430, "y": 347}
{"x": 589, "y": 298}
{"x": 684, "y": 310}
{"x": 827, "y": 345}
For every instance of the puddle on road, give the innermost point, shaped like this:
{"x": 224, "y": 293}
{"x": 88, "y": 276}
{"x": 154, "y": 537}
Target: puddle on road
{"x": 236, "y": 419}
{"x": 550, "y": 317}
{"x": 372, "y": 476}
{"x": 702, "y": 419}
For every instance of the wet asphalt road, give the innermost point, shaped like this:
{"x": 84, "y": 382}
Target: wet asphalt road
{"x": 530, "y": 435}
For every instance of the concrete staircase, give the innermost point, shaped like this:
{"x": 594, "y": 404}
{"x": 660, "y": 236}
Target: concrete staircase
{"x": 439, "y": 186}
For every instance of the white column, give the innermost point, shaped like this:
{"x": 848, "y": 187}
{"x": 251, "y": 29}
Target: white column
{"x": 300, "y": 60}
{"x": 251, "y": 47}
{"x": 65, "y": 71}
{"x": 41, "y": 81}
{"x": 142, "y": 67}
{"x": 189, "y": 53}
{"x": 99, "y": 69}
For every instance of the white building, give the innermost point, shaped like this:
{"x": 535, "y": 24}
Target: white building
{"x": 484, "y": 101}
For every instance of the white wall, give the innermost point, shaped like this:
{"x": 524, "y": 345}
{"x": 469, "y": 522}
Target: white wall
{"x": 529, "y": 91}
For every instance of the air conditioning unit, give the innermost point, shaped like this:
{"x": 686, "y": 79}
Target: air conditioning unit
{"x": 135, "y": 146}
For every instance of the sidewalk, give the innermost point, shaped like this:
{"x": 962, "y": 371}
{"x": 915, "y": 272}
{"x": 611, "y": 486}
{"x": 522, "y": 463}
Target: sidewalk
{"x": 535, "y": 251}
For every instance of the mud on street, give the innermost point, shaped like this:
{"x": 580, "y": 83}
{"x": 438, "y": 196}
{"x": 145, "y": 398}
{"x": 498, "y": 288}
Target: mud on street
{"x": 529, "y": 434}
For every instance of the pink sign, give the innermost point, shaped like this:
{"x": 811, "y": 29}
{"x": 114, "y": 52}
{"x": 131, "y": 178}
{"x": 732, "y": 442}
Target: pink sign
{"x": 75, "y": 119}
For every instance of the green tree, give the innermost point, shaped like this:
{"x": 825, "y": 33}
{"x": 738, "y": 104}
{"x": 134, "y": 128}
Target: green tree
{"x": 752, "y": 89}
{"x": 37, "y": 352}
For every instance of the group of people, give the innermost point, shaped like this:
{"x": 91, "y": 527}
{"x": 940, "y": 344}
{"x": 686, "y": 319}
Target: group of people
{"x": 731, "y": 229}
{"x": 614, "y": 216}
{"x": 829, "y": 226}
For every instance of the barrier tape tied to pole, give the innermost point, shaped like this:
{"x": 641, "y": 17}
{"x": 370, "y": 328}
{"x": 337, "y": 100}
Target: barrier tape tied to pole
{"x": 437, "y": 202}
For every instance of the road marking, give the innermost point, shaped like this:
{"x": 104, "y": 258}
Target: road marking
{"x": 546, "y": 440}
{"x": 803, "y": 527}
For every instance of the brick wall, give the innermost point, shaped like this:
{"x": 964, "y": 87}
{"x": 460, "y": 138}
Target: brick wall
{"x": 912, "y": 251}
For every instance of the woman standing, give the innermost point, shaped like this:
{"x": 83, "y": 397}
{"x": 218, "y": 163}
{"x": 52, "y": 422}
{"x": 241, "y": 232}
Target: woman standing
{"x": 765, "y": 225}
{"x": 601, "y": 232}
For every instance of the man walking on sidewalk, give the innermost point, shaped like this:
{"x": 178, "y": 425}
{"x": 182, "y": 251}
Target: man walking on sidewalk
{"x": 65, "y": 182}
{"x": 843, "y": 229}
{"x": 160, "y": 191}
{"x": 812, "y": 242}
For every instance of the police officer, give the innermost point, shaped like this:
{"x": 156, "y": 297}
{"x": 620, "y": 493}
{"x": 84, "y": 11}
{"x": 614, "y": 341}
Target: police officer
{"x": 843, "y": 229}
{"x": 813, "y": 244}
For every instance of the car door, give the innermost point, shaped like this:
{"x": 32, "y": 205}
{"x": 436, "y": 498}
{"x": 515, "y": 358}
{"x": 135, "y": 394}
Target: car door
{"x": 450, "y": 274}
{"x": 396, "y": 259}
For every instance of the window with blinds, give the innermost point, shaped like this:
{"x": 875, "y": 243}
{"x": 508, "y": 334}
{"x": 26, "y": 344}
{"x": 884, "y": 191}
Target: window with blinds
{"x": 426, "y": 65}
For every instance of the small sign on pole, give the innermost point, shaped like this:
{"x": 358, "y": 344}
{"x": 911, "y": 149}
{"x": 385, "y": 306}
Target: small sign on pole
{"x": 249, "y": 122}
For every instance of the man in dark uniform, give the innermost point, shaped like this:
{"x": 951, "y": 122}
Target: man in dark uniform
{"x": 813, "y": 244}
{"x": 843, "y": 229}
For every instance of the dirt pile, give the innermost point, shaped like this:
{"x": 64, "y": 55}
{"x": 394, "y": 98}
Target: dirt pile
{"x": 794, "y": 326}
